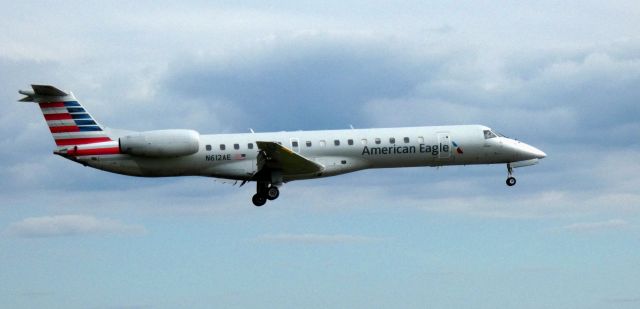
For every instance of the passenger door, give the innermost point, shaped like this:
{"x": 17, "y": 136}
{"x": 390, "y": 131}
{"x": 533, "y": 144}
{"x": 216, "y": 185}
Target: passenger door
{"x": 444, "y": 140}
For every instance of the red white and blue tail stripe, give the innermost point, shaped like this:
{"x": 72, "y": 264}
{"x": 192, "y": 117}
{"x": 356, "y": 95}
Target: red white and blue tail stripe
{"x": 69, "y": 122}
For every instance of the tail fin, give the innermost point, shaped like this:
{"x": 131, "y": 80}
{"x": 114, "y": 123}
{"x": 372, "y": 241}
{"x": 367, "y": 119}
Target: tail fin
{"x": 69, "y": 122}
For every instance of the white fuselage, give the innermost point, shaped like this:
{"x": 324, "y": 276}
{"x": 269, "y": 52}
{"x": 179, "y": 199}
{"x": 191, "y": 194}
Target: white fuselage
{"x": 234, "y": 156}
{"x": 268, "y": 159}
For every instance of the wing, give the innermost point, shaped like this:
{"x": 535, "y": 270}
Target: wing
{"x": 277, "y": 157}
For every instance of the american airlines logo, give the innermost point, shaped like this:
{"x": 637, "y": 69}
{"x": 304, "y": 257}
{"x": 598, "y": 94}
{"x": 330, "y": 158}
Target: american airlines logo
{"x": 458, "y": 148}
{"x": 422, "y": 148}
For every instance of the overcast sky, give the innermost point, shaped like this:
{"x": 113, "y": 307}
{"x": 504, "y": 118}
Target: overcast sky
{"x": 562, "y": 76}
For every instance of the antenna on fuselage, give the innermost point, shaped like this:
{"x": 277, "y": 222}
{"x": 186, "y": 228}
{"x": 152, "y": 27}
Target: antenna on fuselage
{"x": 250, "y": 129}
{"x": 352, "y": 128}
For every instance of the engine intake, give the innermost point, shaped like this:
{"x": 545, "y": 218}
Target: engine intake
{"x": 161, "y": 143}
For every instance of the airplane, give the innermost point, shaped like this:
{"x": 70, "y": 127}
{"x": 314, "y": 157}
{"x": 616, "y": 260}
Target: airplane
{"x": 269, "y": 159}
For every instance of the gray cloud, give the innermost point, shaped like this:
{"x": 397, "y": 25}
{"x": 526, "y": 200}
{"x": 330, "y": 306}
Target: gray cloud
{"x": 294, "y": 69}
{"x": 588, "y": 95}
{"x": 587, "y": 92}
{"x": 562, "y": 76}
{"x": 69, "y": 225}
{"x": 307, "y": 82}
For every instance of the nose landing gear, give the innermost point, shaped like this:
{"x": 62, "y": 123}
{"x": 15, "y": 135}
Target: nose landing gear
{"x": 511, "y": 181}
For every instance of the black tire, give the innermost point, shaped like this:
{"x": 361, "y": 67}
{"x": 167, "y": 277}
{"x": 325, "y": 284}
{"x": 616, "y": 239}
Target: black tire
{"x": 273, "y": 193}
{"x": 258, "y": 200}
{"x": 511, "y": 181}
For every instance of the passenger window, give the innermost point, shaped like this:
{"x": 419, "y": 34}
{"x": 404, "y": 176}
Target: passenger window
{"x": 250, "y": 145}
{"x": 377, "y": 140}
{"x": 350, "y": 142}
{"x": 420, "y": 139}
{"x": 236, "y": 146}
{"x": 222, "y": 147}
{"x": 406, "y": 140}
{"x": 363, "y": 141}
{"x": 308, "y": 143}
{"x": 294, "y": 144}
{"x": 208, "y": 147}
{"x": 336, "y": 142}
{"x": 392, "y": 140}
{"x": 323, "y": 143}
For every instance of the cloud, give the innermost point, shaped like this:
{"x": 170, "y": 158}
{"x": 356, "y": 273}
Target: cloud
{"x": 316, "y": 238}
{"x": 322, "y": 75}
{"x": 271, "y": 69}
{"x": 69, "y": 225}
{"x": 547, "y": 73}
{"x": 613, "y": 224}
{"x": 588, "y": 93}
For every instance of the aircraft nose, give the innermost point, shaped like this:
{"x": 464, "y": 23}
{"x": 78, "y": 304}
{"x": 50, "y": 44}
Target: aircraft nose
{"x": 531, "y": 152}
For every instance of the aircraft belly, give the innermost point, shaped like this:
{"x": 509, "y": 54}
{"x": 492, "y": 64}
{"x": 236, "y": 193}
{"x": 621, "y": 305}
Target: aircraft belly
{"x": 403, "y": 160}
{"x": 119, "y": 164}
{"x": 162, "y": 167}
{"x": 339, "y": 165}
{"x": 242, "y": 169}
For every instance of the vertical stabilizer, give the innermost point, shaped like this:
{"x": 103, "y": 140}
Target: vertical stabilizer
{"x": 69, "y": 122}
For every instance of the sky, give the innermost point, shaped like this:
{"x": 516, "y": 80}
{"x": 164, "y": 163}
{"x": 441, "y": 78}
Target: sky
{"x": 560, "y": 75}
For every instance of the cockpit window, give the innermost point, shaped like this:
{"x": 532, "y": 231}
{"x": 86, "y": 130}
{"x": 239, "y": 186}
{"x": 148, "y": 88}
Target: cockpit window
{"x": 488, "y": 134}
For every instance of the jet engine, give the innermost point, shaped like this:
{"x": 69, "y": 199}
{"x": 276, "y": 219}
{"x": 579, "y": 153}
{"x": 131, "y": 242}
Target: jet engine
{"x": 160, "y": 143}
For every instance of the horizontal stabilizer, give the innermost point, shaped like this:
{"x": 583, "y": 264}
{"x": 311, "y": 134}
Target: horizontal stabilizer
{"x": 41, "y": 91}
{"x": 48, "y": 90}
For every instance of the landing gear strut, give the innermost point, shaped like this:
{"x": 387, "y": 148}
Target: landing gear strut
{"x": 511, "y": 181}
{"x": 264, "y": 192}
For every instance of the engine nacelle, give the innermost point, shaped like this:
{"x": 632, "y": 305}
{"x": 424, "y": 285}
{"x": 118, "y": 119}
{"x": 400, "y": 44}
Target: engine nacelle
{"x": 161, "y": 143}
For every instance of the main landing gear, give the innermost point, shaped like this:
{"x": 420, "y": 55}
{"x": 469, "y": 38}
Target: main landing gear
{"x": 265, "y": 191}
{"x": 511, "y": 181}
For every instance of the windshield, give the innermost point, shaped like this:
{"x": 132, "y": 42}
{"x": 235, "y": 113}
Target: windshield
{"x": 491, "y": 134}
{"x": 488, "y": 134}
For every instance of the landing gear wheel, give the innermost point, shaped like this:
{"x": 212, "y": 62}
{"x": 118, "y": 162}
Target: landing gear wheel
{"x": 511, "y": 181}
{"x": 273, "y": 193}
{"x": 258, "y": 200}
